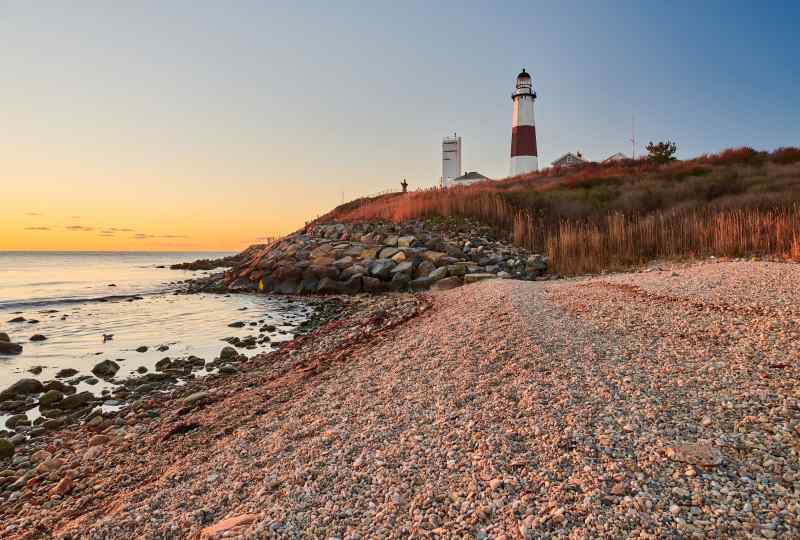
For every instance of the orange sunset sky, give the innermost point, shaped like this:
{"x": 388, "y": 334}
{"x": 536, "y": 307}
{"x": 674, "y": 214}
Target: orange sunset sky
{"x": 194, "y": 125}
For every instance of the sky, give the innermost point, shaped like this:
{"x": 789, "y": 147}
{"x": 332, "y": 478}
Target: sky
{"x": 195, "y": 125}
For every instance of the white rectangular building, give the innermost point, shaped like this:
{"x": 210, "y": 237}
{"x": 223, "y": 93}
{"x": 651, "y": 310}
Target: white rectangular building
{"x": 451, "y": 159}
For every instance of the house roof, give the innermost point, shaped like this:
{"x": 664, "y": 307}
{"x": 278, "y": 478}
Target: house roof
{"x": 470, "y": 175}
{"x": 613, "y": 157}
{"x": 574, "y": 156}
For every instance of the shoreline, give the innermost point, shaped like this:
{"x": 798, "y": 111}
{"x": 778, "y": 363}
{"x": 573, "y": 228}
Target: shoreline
{"x": 594, "y": 406}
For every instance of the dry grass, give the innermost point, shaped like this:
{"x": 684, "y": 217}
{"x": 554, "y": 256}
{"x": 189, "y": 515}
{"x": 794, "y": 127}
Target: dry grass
{"x": 601, "y": 217}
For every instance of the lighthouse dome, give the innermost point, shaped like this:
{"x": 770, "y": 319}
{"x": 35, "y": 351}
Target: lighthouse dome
{"x": 524, "y": 75}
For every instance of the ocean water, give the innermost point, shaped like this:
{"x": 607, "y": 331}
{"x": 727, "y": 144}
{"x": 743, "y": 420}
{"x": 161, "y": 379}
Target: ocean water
{"x": 77, "y": 298}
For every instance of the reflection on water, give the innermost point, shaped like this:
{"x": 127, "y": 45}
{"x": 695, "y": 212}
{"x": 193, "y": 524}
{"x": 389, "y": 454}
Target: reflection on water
{"x": 180, "y": 325}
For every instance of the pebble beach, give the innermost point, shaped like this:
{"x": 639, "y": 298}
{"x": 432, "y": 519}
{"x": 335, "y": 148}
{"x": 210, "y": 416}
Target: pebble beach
{"x": 662, "y": 404}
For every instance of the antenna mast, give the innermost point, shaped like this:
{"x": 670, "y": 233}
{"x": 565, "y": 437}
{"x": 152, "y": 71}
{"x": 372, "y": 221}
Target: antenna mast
{"x": 633, "y": 136}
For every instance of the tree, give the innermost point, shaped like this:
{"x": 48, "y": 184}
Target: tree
{"x": 662, "y": 152}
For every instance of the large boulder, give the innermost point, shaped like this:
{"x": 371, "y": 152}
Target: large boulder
{"x": 60, "y": 386}
{"x": 226, "y": 354}
{"x": 22, "y": 387}
{"x": 536, "y": 263}
{"x": 4, "y": 337}
{"x": 106, "y": 369}
{"x": 388, "y": 252}
{"x": 382, "y": 268}
{"x": 399, "y": 281}
{"x": 447, "y": 283}
{"x": 75, "y": 401}
{"x": 6, "y": 449}
{"x": 439, "y": 273}
{"x": 10, "y": 348}
{"x": 424, "y": 269}
{"x": 50, "y": 398}
{"x": 474, "y": 278}
{"x": 433, "y": 256}
{"x": 373, "y": 285}
{"x": 405, "y": 267}
{"x": 421, "y": 283}
{"x": 406, "y": 241}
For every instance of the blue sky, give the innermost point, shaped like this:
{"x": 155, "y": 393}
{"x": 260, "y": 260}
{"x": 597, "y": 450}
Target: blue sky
{"x": 296, "y": 103}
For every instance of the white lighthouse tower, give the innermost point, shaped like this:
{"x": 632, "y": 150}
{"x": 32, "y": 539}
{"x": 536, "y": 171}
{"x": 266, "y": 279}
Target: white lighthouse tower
{"x": 524, "y": 156}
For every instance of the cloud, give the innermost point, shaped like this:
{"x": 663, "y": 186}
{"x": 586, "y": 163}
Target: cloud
{"x": 37, "y": 228}
{"x": 111, "y": 231}
{"x": 32, "y": 214}
{"x": 143, "y": 236}
{"x": 79, "y": 228}
{"x": 76, "y": 217}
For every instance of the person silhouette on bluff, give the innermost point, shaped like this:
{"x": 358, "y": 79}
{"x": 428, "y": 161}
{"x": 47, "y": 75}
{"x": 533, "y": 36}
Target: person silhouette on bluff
{"x": 404, "y": 185}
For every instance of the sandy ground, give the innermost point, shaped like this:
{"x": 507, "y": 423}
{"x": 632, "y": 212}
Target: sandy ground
{"x": 652, "y": 405}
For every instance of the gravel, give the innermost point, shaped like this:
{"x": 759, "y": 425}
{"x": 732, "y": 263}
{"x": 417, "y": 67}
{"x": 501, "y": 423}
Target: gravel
{"x": 646, "y": 405}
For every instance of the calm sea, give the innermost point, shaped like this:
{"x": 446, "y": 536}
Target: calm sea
{"x": 77, "y": 297}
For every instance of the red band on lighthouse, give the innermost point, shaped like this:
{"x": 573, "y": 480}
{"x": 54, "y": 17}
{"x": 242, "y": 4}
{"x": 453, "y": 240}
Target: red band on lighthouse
{"x": 523, "y": 141}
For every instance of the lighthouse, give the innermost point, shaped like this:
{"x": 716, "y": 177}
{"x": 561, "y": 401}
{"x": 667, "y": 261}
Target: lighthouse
{"x": 524, "y": 157}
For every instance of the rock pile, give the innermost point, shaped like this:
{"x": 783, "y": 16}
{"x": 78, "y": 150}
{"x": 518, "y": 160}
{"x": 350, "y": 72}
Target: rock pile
{"x": 373, "y": 257}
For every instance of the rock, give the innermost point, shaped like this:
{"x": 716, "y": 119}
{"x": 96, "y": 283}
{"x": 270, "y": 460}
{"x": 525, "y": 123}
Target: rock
{"x": 4, "y": 337}
{"x": 76, "y": 401}
{"x": 227, "y": 527}
{"x": 439, "y": 273}
{"x": 63, "y": 487}
{"x": 424, "y": 269}
{"x": 36, "y": 370}
{"x": 390, "y": 241}
{"x": 141, "y": 369}
{"x": 99, "y": 439}
{"x": 474, "y": 278}
{"x": 381, "y": 268}
{"x": 388, "y": 252}
{"x": 66, "y": 372}
{"x": 49, "y": 398}
{"x": 38, "y": 337}
{"x": 162, "y": 348}
{"x": 405, "y": 267}
{"x": 141, "y": 349}
{"x": 41, "y": 455}
{"x": 228, "y": 369}
{"x": 195, "y": 399}
{"x": 10, "y": 348}
{"x": 166, "y": 363}
{"x": 421, "y": 283}
{"x": 228, "y": 354}
{"x": 536, "y": 263}
{"x": 702, "y": 454}
{"x": 447, "y": 283}
{"x": 17, "y": 320}
{"x": 352, "y": 285}
{"x": 458, "y": 269}
{"x": 106, "y": 369}
{"x": 433, "y": 256}
{"x": 406, "y": 241}
{"x": 399, "y": 257}
{"x": 399, "y": 281}
{"x": 60, "y": 386}
{"x": 22, "y": 387}
{"x": 373, "y": 285}
{"x": 6, "y": 449}
{"x": 17, "y": 420}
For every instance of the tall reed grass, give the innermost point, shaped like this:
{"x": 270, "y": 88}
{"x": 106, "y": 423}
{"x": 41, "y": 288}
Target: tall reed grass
{"x": 609, "y": 217}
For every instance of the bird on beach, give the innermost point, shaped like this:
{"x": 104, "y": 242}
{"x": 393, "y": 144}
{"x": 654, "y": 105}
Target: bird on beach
{"x": 107, "y": 337}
